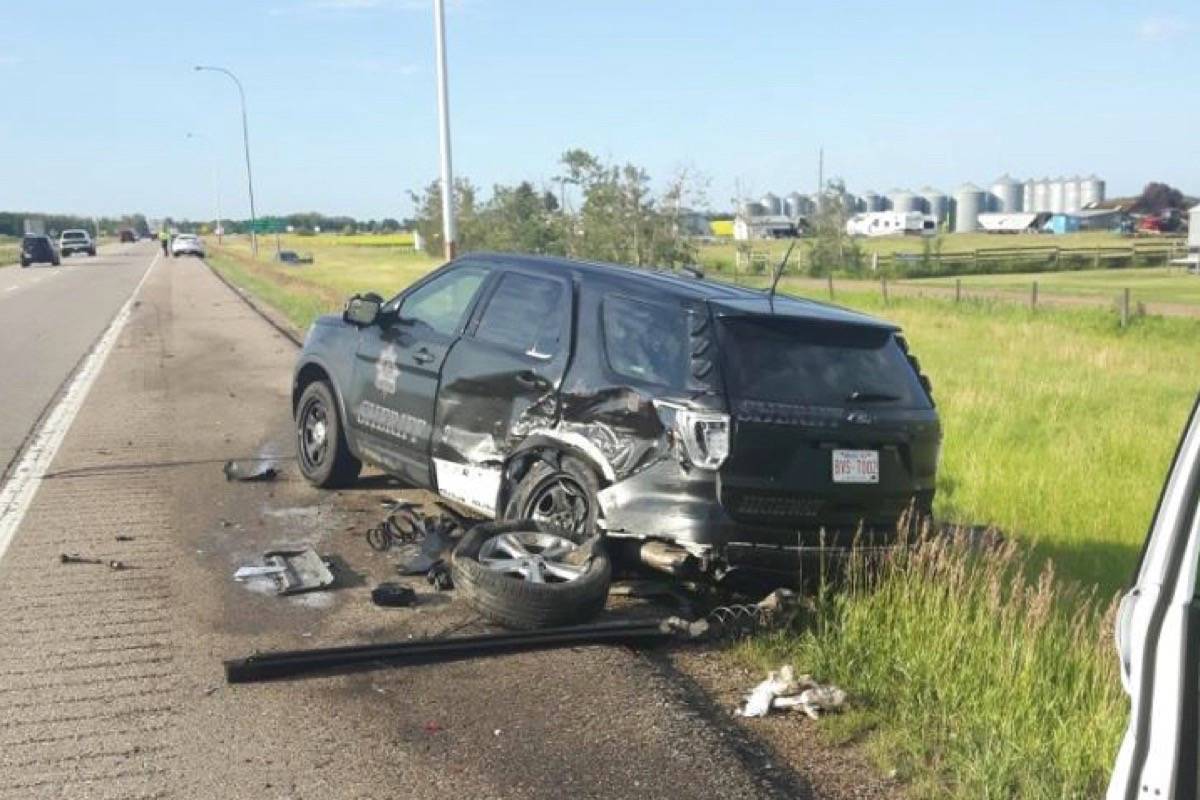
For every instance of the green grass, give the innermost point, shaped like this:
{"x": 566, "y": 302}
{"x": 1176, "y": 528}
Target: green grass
{"x": 10, "y": 251}
{"x": 304, "y": 291}
{"x": 1059, "y": 428}
{"x": 965, "y": 678}
{"x": 1152, "y": 284}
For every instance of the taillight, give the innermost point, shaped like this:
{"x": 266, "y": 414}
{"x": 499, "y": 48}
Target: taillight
{"x": 705, "y": 437}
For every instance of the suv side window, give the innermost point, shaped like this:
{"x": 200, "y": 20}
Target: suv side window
{"x": 526, "y": 314}
{"x": 442, "y": 303}
{"x": 645, "y": 342}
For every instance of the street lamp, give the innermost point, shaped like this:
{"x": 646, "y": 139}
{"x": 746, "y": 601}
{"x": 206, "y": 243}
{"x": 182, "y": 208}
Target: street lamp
{"x": 216, "y": 183}
{"x": 449, "y": 232}
{"x": 246, "y": 143}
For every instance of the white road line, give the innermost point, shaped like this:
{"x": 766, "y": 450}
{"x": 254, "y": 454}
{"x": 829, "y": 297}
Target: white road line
{"x": 22, "y": 485}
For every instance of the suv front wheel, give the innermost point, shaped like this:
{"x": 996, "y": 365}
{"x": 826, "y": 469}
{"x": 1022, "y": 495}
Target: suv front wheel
{"x": 325, "y": 458}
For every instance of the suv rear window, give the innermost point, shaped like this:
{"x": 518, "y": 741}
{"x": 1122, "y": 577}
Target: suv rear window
{"x": 74, "y": 235}
{"x": 646, "y": 342}
{"x": 525, "y": 313}
{"x": 817, "y": 364}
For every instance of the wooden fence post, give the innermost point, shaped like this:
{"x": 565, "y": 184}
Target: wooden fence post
{"x": 957, "y": 289}
{"x": 1125, "y": 308}
{"x": 1033, "y": 295}
{"x": 883, "y": 286}
{"x": 831, "y": 286}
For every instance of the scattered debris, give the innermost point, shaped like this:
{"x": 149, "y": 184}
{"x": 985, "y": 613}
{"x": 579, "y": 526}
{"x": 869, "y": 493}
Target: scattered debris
{"x": 783, "y": 690}
{"x": 65, "y": 558}
{"x": 439, "y": 577}
{"x": 393, "y": 595}
{"x": 257, "y": 470}
{"x": 124, "y": 538}
{"x": 294, "y": 571}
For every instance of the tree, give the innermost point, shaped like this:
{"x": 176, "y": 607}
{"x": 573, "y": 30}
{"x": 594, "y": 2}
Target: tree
{"x": 830, "y": 248}
{"x": 1157, "y": 198}
{"x": 429, "y": 215}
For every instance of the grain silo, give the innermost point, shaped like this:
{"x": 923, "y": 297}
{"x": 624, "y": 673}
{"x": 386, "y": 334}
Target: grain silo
{"x": 1007, "y": 194}
{"x": 771, "y": 203}
{"x": 1027, "y": 196}
{"x": 969, "y": 202}
{"x": 1055, "y": 191}
{"x": 1041, "y": 196}
{"x": 1071, "y": 195}
{"x": 937, "y": 205}
{"x": 902, "y": 200}
{"x": 795, "y": 205}
{"x": 1091, "y": 191}
{"x": 871, "y": 201}
{"x": 749, "y": 208}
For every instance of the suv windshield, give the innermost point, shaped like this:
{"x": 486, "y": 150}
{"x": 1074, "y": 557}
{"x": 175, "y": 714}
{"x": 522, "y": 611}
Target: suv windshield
{"x": 818, "y": 364}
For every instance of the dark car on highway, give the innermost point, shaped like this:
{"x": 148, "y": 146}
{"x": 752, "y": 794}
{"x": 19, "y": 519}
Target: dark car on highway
{"x": 37, "y": 248}
{"x": 727, "y": 426}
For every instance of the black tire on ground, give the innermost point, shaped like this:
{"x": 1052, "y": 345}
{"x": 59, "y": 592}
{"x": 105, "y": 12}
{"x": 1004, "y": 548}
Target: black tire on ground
{"x": 535, "y": 496}
{"x": 317, "y": 423}
{"x": 24, "y": 263}
{"x": 91, "y": 252}
{"x": 517, "y": 603}
{"x": 56, "y": 263}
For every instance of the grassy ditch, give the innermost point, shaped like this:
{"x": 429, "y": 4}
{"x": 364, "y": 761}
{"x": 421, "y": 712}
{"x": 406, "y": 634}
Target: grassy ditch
{"x": 10, "y": 251}
{"x": 965, "y": 677}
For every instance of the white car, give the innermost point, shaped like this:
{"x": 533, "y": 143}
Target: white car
{"x": 187, "y": 244}
{"x": 76, "y": 241}
{"x": 1158, "y": 643}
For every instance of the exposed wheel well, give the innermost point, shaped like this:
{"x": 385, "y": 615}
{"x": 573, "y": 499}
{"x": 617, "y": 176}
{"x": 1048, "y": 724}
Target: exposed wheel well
{"x": 519, "y": 464}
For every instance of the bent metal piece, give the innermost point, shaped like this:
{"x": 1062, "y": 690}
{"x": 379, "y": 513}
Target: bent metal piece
{"x": 264, "y": 666}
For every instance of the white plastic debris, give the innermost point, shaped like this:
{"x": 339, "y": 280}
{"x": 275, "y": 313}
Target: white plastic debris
{"x": 784, "y": 691}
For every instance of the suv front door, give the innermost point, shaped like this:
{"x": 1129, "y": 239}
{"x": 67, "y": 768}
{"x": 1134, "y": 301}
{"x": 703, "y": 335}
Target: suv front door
{"x": 500, "y": 382}
{"x": 398, "y": 366}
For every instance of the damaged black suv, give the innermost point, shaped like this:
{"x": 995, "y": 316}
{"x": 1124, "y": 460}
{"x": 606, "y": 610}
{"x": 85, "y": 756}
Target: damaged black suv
{"x": 703, "y": 421}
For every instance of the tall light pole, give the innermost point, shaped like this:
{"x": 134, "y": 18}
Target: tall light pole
{"x": 246, "y": 144}
{"x": 216, "y": 183}
{"x": 449, "y": 229}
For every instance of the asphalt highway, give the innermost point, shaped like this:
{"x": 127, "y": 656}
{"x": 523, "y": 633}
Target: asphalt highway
{"x": 49, "y": 318}
{"x": 111, "y": 681}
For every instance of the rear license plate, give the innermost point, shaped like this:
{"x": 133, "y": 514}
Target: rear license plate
{"x": 856, "y": 466}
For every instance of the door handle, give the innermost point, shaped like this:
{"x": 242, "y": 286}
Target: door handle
{"x": 423, "y": 356}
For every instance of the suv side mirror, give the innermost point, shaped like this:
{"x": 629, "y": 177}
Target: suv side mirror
{"x": 362, "y": 310}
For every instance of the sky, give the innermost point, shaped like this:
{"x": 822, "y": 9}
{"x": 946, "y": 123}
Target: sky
{"x": 99, "y": 98}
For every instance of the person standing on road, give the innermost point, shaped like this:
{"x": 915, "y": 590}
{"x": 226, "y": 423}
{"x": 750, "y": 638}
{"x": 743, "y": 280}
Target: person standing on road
{"x": 165, "y": 239}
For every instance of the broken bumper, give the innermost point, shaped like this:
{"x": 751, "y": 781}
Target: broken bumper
{"x": 662, "y": 503}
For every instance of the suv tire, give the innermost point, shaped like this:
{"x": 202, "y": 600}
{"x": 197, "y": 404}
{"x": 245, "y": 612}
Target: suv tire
{"x": 518, "y": 602}
{"x": 321, "y": 449}
{"x": 562, "y": 496}
{"x": 24, "y": 263}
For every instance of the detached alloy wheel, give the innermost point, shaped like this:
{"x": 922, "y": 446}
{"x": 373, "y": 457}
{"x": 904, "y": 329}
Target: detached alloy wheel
{"x": 321, "y": 449}
{"x": 525, "y": 574}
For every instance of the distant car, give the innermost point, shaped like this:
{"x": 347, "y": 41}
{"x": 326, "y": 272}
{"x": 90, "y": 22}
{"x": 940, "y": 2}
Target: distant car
{"x": 127, "y": 235}
{"x": 76, "y": 241}
{"x": 37, "y": 248}
{"x": 187, "y": 244}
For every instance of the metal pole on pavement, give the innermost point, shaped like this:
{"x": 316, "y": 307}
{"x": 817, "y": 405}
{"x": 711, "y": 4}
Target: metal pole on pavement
{"x": 246, "y": 145}
{"x": 449, "y": 228}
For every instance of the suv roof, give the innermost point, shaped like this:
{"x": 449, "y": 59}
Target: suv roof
{"x": 727, "y": 298}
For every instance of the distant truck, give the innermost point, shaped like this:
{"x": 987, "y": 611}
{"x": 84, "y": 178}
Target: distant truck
{"x": 891, "y": 223}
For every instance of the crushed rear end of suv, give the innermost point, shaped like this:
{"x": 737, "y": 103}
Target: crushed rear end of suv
{"x": 700, "y": 426}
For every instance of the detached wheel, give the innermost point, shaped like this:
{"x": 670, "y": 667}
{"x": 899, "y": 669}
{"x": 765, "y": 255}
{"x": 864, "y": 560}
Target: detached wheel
{"x": 524, "y": 574}
{"x": 563, "y": 496}
{"x": 325, "y": 458}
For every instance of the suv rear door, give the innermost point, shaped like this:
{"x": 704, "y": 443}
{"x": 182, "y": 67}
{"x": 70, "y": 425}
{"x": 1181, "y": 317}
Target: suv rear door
{"x": 831, "y": 426}
{"x": 500, "y": 381}
{"x": 390, "y": 403}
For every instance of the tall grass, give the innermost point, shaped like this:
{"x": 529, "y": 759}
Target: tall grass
{"x": 968, "y": 679}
